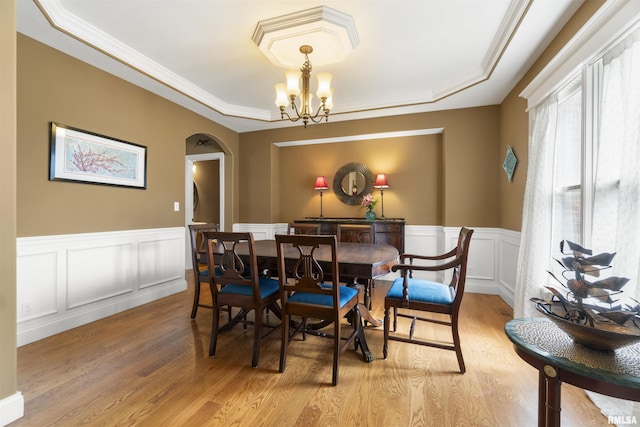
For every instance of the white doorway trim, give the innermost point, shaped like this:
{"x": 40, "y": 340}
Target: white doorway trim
{"x": 188, "y": 192}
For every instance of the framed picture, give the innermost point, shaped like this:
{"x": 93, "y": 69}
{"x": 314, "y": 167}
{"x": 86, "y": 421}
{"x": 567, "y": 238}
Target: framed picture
{"x": 510, "y": 162}
{"x": 87, "y": 157}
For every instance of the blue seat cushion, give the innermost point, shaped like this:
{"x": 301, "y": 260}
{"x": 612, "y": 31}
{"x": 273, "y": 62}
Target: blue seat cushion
{"x": 422, "y": 291}
{"x": 345, "y": 294}
{"x": 268, "y": 287}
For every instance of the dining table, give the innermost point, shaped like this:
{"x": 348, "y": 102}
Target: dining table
{"x": 356, "y": 261}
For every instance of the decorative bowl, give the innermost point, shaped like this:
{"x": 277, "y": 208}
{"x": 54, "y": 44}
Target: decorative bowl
{"x": 607, "y": 336}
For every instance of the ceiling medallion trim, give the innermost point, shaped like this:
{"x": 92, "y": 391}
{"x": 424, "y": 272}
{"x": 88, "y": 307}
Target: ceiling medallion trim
{"x": 332, "y": 34}
{"x": 304, "y": 17}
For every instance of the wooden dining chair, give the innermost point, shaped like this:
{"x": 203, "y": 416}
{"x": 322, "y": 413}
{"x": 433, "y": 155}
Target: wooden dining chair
{"x": 303, "y": 228}
{"x": 408, "y": 293}
{"x": 199, "y": 261}
{"x": 240, "y": 285}
{"x": 314, "y": 292}
{"x": 357, "y": 233}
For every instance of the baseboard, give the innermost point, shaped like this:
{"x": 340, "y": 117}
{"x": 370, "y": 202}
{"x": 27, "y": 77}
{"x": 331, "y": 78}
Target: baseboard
{"x": 11, "y": 408}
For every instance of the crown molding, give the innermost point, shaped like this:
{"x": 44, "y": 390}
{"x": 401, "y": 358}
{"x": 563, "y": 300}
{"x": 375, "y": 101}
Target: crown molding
{"x": 613, "y": 19}
{"x": 361, "y": 137}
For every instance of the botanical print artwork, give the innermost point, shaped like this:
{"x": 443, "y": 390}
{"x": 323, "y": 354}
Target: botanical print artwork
{"x": 87, "y": 157}
{"x": 92, "y": 158}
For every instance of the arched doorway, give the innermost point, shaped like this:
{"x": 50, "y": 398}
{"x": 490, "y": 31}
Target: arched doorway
{"x": 190, "y": 198}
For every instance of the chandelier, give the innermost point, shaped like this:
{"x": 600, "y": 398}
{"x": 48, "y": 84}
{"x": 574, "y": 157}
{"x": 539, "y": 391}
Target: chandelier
{"x": 286, "y": 94}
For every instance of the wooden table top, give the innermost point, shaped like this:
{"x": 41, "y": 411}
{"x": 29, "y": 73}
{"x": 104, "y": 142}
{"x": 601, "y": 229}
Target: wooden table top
{"x": 363, "y": 260}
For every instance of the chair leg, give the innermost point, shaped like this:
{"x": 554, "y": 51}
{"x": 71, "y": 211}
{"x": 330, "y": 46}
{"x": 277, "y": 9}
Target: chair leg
{"x": 456, "y": 342}
{"x": 395, "y": 319}
{"x": 257, "y": 328}
{"x": 336, "y": 351}
{"x": 284, "y": 344}
{"x": 385, "y": 346}
{"x": 196, "y": 299}
{"x": 214, "y": 329}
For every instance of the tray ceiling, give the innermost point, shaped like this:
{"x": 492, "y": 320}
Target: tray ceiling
{"x": 403, "y": 56}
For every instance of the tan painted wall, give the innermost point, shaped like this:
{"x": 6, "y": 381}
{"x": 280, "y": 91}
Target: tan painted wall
{"x": 514, "y": 121}
{"x": 449, "y": 179}
{"x": 410, "y": 163}
{"x": 8, "y": 361}
{"x": 56, "y": 87}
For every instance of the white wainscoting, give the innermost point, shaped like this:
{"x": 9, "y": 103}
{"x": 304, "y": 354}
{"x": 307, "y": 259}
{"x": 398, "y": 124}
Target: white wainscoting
{"x": 68, "y": 280}
{"x": 493, "y": 253}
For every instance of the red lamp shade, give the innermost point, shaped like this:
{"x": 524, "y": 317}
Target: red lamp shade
{"x": 321, "y": 183}
{"x": 381, "y": 181}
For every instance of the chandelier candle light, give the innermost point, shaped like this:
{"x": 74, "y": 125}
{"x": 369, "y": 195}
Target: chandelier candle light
{"x": 321, "y": 184}
{"x": 381, "y": 183}
{"x": 286, "y": 94}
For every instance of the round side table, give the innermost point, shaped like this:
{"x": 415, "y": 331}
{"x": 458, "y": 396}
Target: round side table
{"x": 543, "y": 345}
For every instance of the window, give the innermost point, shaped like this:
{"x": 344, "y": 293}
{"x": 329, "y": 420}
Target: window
{"x": 583, "y": 178}
{"x": 596, "y": 183}
{"x": 568, "y": 165}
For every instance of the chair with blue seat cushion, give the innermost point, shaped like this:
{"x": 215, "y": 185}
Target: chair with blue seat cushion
{"x": 303, "y": 228}
{"x": 409, "y": 293}
{"x": 312, "y": 290}
{"x": 240, "y": 285}
{"x": 357, "y": 233}
{"x": 199, "y": 261}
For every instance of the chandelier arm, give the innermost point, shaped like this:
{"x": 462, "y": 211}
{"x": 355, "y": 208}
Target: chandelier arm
{"x": 294, "y": 107}
{"x": 284, "y": 113}
{"x": 316, "y": 118}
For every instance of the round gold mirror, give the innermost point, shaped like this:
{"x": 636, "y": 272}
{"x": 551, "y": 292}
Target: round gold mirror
{"x": 352, "y": 182}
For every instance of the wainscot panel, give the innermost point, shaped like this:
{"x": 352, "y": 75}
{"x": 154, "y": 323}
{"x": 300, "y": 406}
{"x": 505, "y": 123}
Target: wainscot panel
{"x": 493, "y": 254}
{"x": 509, "y": 244}
{"x": 69, "y": 280}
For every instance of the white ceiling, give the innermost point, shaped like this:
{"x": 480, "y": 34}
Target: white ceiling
{"x": 412, "y": 55}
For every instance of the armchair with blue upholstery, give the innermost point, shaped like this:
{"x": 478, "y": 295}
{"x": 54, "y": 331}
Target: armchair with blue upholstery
{"x": 409, "y": 293}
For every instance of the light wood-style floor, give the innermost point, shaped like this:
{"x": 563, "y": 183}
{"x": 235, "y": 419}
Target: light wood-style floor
{"x": 150, "y": 366}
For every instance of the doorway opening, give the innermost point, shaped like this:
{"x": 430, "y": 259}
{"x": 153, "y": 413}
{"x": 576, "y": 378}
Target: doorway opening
{"x": 193, "y": 195}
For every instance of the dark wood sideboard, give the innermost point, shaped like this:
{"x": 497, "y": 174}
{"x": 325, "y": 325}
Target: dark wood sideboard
{"x": 388, "y": 230}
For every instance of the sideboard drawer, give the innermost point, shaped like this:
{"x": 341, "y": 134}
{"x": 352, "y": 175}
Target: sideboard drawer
{"x": 389, "y": 228}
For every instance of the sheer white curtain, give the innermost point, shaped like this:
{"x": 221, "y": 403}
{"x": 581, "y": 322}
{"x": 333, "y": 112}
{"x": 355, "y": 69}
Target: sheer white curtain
{"x": 616, "y": 211}
{"x": 535, "y": 248}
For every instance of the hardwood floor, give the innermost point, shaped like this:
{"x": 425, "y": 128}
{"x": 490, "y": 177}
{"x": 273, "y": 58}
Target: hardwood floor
{"x": 150, "y": 366}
